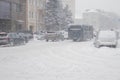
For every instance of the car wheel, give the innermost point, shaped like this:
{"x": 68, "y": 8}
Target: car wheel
{"x": 24, "y": 42}
{"x": 53, "y": 40}
{"x": 11, "y": 43}
{"x": 75, "y": 40}
{"x": 62, "y": 38}
{"x": 47, "y": 40}
{"x": 114, "y": 46}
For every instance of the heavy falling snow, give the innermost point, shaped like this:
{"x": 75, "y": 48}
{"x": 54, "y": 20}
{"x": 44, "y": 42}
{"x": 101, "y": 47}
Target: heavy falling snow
{"x": 67, "y": 60}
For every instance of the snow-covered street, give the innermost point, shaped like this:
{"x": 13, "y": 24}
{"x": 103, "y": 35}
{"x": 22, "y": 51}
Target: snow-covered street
{"x": 67, "y": 60}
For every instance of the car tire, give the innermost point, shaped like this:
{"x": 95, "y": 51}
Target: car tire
{"x": 74, "y": 40}
{"x": 11, "y": 43}
{"x": 47, "y": 40}
{"x": 24, "y": 42}
{"x": 114, "y": 46}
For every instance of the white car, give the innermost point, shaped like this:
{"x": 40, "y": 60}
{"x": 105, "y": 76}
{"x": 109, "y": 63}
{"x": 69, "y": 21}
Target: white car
{"x": 54, "y": 36}
{"x": 106, "y": 38}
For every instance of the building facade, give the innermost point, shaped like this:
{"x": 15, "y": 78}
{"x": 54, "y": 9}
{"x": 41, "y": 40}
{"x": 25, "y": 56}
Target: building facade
{"x": 35, "y": 15}
{"x": 12, "y": 15}
{"x": 100, "y": 20}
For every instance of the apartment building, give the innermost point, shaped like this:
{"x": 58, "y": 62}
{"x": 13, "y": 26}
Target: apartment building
{"x": 12, "y": 15}
{"x": 35, "y": 15}
{"x": 101, "y": 19}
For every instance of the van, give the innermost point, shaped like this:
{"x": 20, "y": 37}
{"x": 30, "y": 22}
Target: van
{"x": 106, "y": 38}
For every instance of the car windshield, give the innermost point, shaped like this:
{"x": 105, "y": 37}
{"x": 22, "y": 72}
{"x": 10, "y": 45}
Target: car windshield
{"x": 2, "y": 35}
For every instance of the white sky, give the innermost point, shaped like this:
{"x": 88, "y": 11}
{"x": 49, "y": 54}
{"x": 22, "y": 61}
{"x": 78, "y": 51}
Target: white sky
{"x": 107, "y": 5}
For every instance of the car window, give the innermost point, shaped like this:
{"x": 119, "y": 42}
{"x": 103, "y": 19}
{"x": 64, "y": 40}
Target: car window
{"x": 15, "y": 35}
{"x": 2, "y": 35}
{"x": 10, "y": 35}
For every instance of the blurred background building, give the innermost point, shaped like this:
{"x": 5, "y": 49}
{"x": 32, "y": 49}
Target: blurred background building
{"x": 12, "y": 15}
{"x": 35, "y": 15}
{"x": 99, "y": 19}
{"x": 26, "y": 15}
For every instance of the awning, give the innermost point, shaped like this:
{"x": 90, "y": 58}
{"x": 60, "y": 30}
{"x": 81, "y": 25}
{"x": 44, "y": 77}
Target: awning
{"x": 20, "y": 21}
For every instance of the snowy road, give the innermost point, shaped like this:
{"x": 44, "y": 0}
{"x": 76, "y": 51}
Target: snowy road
{"x": 40, "y": 60}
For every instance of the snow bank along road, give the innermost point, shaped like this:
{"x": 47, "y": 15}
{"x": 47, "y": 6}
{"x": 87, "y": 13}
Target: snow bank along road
{"x": 40, "y": 60}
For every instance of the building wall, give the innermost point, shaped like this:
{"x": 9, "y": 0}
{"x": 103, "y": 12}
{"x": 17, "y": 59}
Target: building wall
{"x": 17, "y": 19}
{"x": 5, "y": 15}
{"x": 18, "y": 15}
{"x": 35, "y": 15}
{"x": 100, "y": 21}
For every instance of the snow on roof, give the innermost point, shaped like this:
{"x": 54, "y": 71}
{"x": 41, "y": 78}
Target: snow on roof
{"x": 107, "y": 33}
{"x": 102, "y": 12}
{"x": 92, "y": 10}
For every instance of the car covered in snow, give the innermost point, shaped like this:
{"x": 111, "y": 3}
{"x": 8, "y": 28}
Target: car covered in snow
{"x": 106, "y": 38}
{"x": 23, "y": 36}
{"x": 11, "y": 39}
{"x": 53, "y": 36}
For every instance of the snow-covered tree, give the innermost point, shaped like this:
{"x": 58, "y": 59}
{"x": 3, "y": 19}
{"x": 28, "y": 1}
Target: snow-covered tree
{"x": 53, "y": 15}
{"x": 56, "y": 17}
{"x": 67, "y": 17}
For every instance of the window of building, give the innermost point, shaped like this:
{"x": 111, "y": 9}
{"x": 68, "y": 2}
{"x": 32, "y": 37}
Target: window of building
{"x": 30, "y": 2}
{"x": 29, "y": 14}
{"x": 19, "y": 27}
{"x": 35, "y": 2}
{"x": 18, "y": 7}
{"x": 32, "y": 15}
{"x": 4, "y": 10}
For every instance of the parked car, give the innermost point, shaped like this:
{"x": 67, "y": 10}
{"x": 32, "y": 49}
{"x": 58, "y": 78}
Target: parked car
{"x": 106, "y": 38}
{"x": 11, "y": 39}
{"x": 28, "y": 34}
{"x": 3, "y": 38}
{"x": 23, "y": 36}
{"x": 53, "y": 36}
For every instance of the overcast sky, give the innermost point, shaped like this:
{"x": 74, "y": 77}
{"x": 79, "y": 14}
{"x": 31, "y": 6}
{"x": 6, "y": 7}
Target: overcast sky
{"x": 107, "y": 5}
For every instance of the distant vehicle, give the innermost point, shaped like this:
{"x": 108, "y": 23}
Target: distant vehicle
{"x": 10, "y": 39}
{"x": 40, "y": 36}
{"x": 80, "y": 32}
{"x": 28, "y": 34}
{"x": 106, "y": 38}
{"x": 53, "y": 36}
